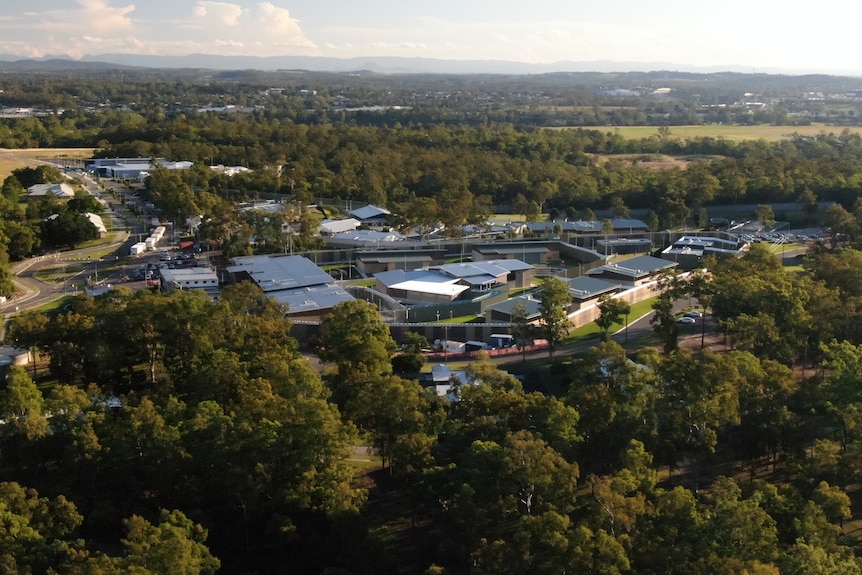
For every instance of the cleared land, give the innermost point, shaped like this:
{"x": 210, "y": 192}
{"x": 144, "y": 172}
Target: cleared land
{"x": 15, "y": 159}
{"x": 728, "y": 132}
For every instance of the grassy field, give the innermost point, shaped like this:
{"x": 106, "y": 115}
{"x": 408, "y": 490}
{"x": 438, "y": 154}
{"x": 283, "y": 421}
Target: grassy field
{"x": 15, "y": 159}
{"x": 728, "y": 132}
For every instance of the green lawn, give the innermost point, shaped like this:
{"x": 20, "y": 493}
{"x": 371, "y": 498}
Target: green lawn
{"x": 55, "y": 305}
{"x": 592, "y": 331}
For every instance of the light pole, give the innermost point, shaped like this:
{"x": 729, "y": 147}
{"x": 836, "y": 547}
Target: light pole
{"x": 446, "y": 344}
{"x": 627, "y": 329}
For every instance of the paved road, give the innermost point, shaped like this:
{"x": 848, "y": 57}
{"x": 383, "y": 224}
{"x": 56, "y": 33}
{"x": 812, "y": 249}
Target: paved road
{"x": 637, "y": 328}
{"x": 32, "y": 292}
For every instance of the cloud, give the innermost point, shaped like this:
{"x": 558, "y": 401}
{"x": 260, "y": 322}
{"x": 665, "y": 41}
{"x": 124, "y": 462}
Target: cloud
{"x": 281, "y": 25}
{"x": 95, "y": 15}
{"x": 92, "y": 27}
{"x": 224, "y": 12}
{"x": 262, "y": 30}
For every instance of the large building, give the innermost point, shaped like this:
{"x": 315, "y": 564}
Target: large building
{"x": 448, "y": 282}
{"x": 130, "y": 168}
{"x": 588, "y": 227}
{"x": 689, "y": 251}
{"x": 375, "y": 262}
{"x": 293, "y": 281}
{"x": 504, "y": 311}
{"x": 62, "y": 192}
{"x": 586, "y": 291}
{"x": 634, "y": 271}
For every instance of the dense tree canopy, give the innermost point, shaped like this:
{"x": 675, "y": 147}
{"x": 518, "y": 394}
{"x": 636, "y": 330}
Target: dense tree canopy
{"x": 167, "y": 433}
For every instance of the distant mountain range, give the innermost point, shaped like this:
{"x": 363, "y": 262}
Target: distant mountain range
{"x": 379, "y": 64}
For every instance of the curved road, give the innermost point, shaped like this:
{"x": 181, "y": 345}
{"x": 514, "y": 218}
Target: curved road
{"x": 637, "y": 327}
{"x": 32, "y": 292}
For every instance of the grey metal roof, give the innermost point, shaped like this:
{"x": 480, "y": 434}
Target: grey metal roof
{"x": 275, "y": 273}
{"x": 369, "y": 236}
{"x": 312, "y": 298}
{"x": 368, "y": 212}
{"x": 338, "y": 226}
{"x": 394, "y": 277}
{"x": 493, "y": 268}
{"x": 699, "y": 244}
{"x": 566, "y": 226}
{"x": 508, "y": 307}
{"x": 61, "y": 190}
{"x": 623, "y": 224}
{"x": 385, "y": 258}
{"x": 189, "y": 274}
{"x": 511, "y": 249}
{"x": 589, "y": 226}
{"x": 586, "y": 287}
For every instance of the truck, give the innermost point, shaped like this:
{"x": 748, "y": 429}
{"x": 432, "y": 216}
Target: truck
{"x": 450, "y": 346}
{"x": 499, "y": 340}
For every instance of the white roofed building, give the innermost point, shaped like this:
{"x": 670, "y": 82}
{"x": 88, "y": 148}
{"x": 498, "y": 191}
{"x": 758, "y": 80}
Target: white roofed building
{"x": 333, "y": 227}
{"x": 448, "y": 282}
{"x": 371, "y": 215}
{"x": 190, "y": 278}
{"x": 97, "y": 222}
{"x": 62, "y": 192}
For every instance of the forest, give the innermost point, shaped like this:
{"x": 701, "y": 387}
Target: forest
{"x": 167, "y": 433}
{"x": 184, "y": 432}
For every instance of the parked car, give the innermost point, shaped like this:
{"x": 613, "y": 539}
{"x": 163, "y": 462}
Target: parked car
{"x": 694, "y": 314}
{"x": 686, "y": 319}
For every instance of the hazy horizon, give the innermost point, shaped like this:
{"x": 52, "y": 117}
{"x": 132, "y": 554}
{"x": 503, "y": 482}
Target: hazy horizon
{"x": 734, "y": 35}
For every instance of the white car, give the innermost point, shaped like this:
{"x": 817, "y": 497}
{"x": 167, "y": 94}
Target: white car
{"x": 686, "y": 319}
{"x": 694, "y": 314}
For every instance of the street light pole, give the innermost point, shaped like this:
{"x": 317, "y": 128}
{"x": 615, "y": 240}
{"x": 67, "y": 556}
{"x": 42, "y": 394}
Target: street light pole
{"x": 627, "y": 329}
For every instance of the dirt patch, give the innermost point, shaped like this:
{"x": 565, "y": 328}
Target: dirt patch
{"x": 649, "y": 161}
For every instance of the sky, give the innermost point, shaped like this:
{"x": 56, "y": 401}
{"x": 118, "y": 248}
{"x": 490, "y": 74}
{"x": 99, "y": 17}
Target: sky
{"x": 758, "y": 36}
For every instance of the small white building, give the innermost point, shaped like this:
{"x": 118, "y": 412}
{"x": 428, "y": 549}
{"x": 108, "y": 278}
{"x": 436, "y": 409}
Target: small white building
{"x": 97, "y": 222}
{"x": 190, "y": 278}
{"x": 332, "y": 227}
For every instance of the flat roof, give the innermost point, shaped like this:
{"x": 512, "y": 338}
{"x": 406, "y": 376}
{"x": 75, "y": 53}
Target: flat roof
{"x": 639, "y": 266}
{"x": 450, "y": 289}
{"x": 385, "y": 259}
{"x": 510, "y": 249}
{"x": 592, "y": 226}
{"x": 188, "y": 274}
{"x": 369, "y": 236}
